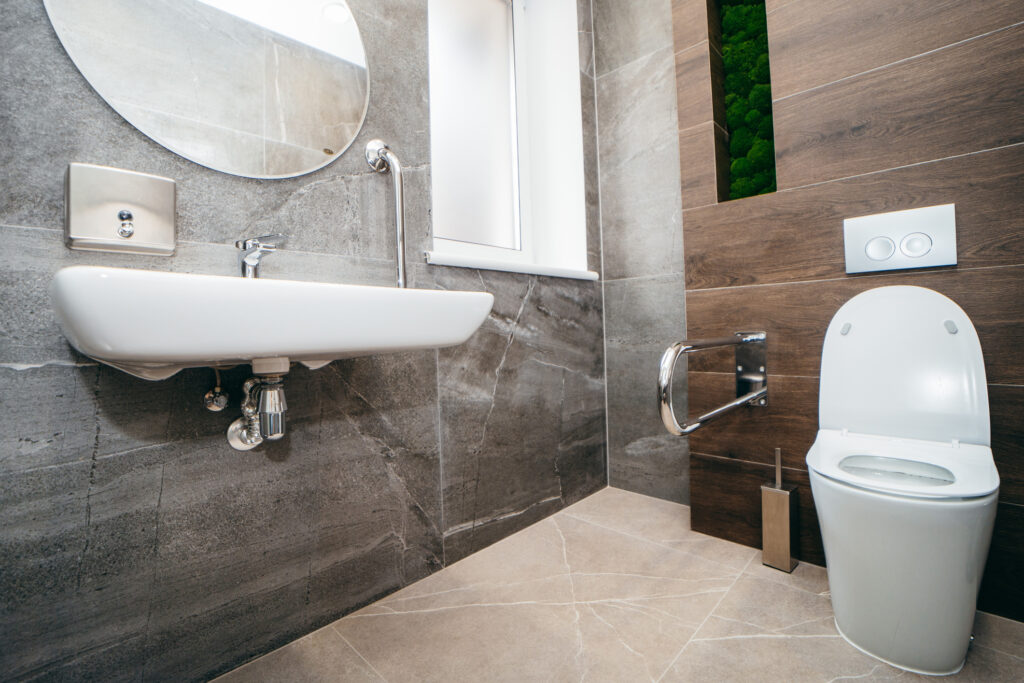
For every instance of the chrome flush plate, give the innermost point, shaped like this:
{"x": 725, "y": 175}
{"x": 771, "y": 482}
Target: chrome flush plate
{"x": 110, "y": 209}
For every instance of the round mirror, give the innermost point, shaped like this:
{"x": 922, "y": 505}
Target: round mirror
{"x": 257, "y": 88}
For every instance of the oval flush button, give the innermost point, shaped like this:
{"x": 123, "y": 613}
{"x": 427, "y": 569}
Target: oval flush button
{"x": 879, "y": 248}
{"x": 916, "y": 244}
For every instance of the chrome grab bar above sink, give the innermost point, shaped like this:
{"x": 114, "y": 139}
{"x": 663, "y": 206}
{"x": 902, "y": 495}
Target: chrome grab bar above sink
{"x": 751, "y": 377}
{"x": 381, "y": 159}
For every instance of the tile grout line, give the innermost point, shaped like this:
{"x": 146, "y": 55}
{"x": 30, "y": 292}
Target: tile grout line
{"x": 867, "y": 276}
{"x": 776, "y": 375}
{"x": 878, "y": 171}
{"x": 440, "y": 451}
{"x": 855, "y": 176}
{"x": 695, "y": 45}
{"x": 648, "y": 278}
{"x": 600, "y": 238}
{"x": 523, "y": 603}
{"x": 358, "y": 653}
{"x": 996, "y": 649}
{"x": 635, "y": 60}
{"x": 657, "y": 543}
{"x": 903, "y": 60}
{"x": 580, "y": 641}
{"x": 200, "y": 243}
{"x": 687, "y": 129}
{"x": 697, "y": 630}
{"x": 155, "y": 578}
{"x": 715, "y": 125}
{"x": 776, "y": 9}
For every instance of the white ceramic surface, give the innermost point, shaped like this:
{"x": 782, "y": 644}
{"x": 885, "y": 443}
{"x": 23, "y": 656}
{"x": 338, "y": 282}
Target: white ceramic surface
{"x": 152, "y": 324}
{"x": 899, "y": 372}
{"x": 971, "y": 465}
{"x": 906, "y": 531}
{"x": 904, "y": 572}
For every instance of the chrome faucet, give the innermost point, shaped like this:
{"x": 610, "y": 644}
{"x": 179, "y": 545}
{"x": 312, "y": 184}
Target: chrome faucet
{"x": 253, "y": 249}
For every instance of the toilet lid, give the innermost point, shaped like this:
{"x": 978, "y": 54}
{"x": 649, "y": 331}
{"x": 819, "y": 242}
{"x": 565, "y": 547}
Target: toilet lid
{"x": 904, "y": 362}
{"x": 908, "y": 467}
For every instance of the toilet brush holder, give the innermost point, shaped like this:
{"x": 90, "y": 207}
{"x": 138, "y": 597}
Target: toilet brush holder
{"x": 778, "y": 521}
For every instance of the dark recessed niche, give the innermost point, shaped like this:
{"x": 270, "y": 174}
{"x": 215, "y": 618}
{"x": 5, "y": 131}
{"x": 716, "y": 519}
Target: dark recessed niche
{"x": 748, "y": 97}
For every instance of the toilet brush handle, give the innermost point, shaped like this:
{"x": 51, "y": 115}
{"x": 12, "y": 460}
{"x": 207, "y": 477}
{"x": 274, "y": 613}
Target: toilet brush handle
{"x": 778, "y": 468}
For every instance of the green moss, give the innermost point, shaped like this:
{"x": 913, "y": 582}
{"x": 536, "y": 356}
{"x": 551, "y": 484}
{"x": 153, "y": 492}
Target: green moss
{"x": 735, "y": 112}
{"x": 740, "y": 142}
{"x": 748, "y": 99}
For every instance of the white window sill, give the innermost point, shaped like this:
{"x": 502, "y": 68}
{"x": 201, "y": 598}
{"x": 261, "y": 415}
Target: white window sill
{"x": 440, "y": 258}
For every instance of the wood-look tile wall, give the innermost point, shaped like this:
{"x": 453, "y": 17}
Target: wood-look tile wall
{"x": 879, "y": 106}
{"x": 703, "y": 141}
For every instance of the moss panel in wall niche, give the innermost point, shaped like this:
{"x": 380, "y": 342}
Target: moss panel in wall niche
{"x": 748, "y": 97}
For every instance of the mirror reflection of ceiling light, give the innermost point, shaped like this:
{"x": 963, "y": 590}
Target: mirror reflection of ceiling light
{"x": 336, "y": 13}
{"x": 327, "y": 26}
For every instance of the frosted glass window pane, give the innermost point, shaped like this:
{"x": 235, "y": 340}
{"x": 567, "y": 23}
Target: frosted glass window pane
{"x": 472, "y": 122}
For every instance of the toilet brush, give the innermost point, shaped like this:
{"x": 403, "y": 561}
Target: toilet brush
{"x": 778, "y": 521}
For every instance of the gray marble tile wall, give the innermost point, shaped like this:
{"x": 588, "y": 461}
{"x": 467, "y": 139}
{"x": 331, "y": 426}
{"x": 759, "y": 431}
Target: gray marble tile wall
{"x": 135, "y": 544}
{"x": 642, "y": 236}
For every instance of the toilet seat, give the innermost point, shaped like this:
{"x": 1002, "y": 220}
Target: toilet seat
{"x": 905, "y": 466}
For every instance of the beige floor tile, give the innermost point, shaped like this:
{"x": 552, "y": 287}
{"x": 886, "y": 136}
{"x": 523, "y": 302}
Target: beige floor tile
{"x": 756, "y": 606}
{"x": 808, "y": 577}
{"x": 770, "y": 658}
{"x": 818, "y": 658}
{"x": 627, "y": 642}
{"x": 717, "y": 550}
{"x": 525, "y": 642}
{"x": 614, "y": 588}
{"x": 650, "y": 518}
{"x": 982, "y": 666}
{"x": 573, "y": 598}
{"x": 658, "y": 521}
{"x": 319, "y": 657}
{"x": 610, "y": 565}
{"x": 997, "y": 633}
{"x": 528, "y": 566}
{"x": 641, "y": 601}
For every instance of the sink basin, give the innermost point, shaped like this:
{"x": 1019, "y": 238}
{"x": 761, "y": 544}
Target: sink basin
{"x": 152, "y": 324}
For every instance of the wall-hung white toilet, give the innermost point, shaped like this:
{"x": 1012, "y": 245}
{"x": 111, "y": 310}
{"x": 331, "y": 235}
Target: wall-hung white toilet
{"x": 902, "y": 475}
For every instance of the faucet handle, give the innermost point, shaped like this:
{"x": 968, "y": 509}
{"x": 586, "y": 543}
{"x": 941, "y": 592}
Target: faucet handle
{"x": 264, "y": 243}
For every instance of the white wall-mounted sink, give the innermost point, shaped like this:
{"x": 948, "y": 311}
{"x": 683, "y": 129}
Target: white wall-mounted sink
{"x": 152, "y": 324}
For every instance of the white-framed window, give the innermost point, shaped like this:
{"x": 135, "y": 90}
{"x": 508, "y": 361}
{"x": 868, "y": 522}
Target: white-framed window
{"x": 506, "y": 137}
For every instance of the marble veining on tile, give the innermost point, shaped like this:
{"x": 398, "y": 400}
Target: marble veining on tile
{"x": 136, "y": 544}
{"x": 614, "y": 588}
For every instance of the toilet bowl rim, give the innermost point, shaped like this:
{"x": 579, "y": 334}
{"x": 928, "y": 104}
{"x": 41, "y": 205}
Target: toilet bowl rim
{"x": 972, "y": 465}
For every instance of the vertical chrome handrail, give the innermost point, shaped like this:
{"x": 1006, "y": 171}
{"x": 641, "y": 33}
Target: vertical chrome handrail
{"x": 755, "y": 378}
{"x": 381, "y": 159}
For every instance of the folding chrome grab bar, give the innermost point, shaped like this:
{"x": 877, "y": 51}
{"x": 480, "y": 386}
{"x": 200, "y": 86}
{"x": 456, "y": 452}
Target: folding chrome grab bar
{"x": 751, "y": 377}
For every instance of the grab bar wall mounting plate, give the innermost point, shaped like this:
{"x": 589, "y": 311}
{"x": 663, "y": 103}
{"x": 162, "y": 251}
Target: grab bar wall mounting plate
{"x": 751, "y": 377}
